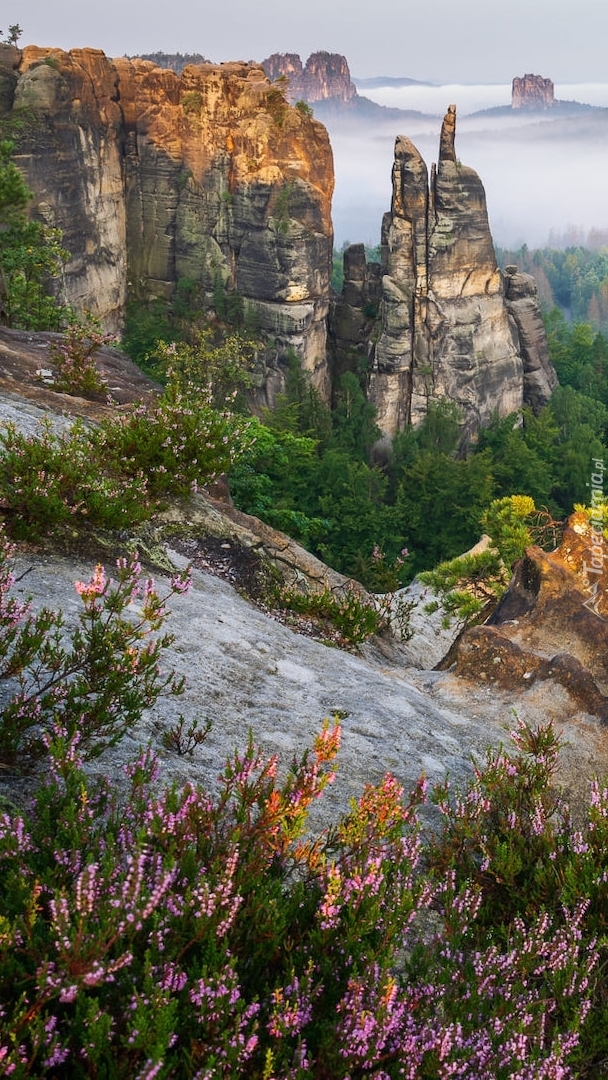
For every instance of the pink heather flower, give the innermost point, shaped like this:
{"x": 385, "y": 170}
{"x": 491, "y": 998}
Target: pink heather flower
{"x": 95, "y": 587}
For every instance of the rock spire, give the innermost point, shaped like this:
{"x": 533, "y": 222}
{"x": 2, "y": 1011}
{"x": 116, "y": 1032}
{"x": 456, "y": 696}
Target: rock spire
{"x": 446, "y": 330}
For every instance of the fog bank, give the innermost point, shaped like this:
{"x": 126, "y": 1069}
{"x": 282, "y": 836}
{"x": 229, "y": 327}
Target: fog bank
{"x": 544, "y": 173}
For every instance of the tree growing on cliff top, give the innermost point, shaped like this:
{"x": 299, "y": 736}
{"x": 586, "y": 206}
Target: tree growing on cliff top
{"x": 12, "y": 35}
{"x": 30, "y": 255}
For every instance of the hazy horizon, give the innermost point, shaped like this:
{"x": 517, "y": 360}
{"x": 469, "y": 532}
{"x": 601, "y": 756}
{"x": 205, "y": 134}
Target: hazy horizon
{"x": 542, "y": 175}
{"x": 564, "y": 40}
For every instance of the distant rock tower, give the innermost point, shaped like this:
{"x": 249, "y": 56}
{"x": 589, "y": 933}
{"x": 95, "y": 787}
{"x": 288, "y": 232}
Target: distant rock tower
{"x": 325, "y": 77}
{"x": 532, "y": 92}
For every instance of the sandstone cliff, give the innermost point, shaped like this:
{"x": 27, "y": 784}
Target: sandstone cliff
{"x": 155, "y": 176}
{"x": 532, "y": 92}
{"x": 324, "y": 77}
{"x": 445, "y": 328}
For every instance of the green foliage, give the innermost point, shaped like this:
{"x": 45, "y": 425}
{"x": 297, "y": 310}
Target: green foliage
{"x": 145, "y": 326}
{"x": 438, "y": 503}
{"x": 229, "y": 306}
{"x": 51, "y": 482}
{"x": 178, "y": 441}
{"x": 304, "y": 109}
{"x": 517, "y": 466}
{"x": 467, "y": 585}
{"x": 506, "y": 835}
{"x": 440, "y": 430}
{"x": 575, "y": 278}
{"x": 175, "y": 61}
{"x": 113, "y": 476}
{"x": 580, "y": 356}
{"x": 354, "y": 419}
{"x": 273, "y": 481}
{"x": 281, "y": 210}
{"x": 192, "y": 101}
{"x": 276, "y": 104}
{"x": 206, "y": 366}
{"x": 30, "y": 255}
{"x": 75, "y": 370}
{"x": 349, "y": 614}
{"x": 12, "y": 35}
{"x": 507, "y": 521}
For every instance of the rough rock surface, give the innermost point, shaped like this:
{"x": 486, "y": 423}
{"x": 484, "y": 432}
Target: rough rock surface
{"x": 552, "y": 624}
{"x": 522, "y": 301}
{"x": 155, "y": 176}
{"x": 445, "y": 330}
{"x": 246, "y": 672}
{"x": 324, "y": 77}
{"x": 532, "y": 92}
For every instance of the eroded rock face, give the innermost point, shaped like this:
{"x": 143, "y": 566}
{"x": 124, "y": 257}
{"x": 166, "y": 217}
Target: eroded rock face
{"x": 523, "y": 305}
{"x": 324, "y": 77}
{"x": 532, "y": 92}
{"x": 155, "y": 176}
{"x": 552, "y": 624}
{"x": 445, "y": 330}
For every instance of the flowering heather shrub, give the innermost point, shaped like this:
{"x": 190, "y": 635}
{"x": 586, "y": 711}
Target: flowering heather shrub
{"x": 93, "y": 684}
{"x": 112, "y": 476}
{"x": 50, "y": 481}
{"x": 183, "y": 936}
{"x": 178, "y": 441}
{"x": 74, "y": 359}
{"x": 172, "y": 933}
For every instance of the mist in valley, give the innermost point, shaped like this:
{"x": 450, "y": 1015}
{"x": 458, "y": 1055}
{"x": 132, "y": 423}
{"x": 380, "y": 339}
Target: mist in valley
{"x": 544, "y": 172}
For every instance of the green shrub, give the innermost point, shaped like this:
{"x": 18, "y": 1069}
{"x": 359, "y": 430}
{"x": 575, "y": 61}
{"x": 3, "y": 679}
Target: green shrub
{"x": 467, "y": 585}
{"x": 113, "y": 475}
{"x": 353, "y": 618}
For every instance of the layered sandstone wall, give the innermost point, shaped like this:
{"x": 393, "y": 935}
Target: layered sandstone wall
{"x": 155, "y": 176}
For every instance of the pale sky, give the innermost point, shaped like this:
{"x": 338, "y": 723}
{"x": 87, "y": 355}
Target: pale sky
{"x": 443, "y": 41}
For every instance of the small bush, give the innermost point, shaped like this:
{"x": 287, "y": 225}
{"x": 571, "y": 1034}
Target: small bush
{"x": 192, "y": 101}
{"x": 91, "y": 685}
{"x": 467, "y": 585}
{"x": 348, "y": 614}
{"x": 74, "y": 360}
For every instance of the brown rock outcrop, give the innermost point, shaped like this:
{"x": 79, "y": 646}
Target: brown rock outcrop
{"x": 532, "y": 92}
{"x": 155, "y": 177}
{"x": 552, "y": 624}
{"x": 324, "y": 77}
{"x": 445, "y": 326}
